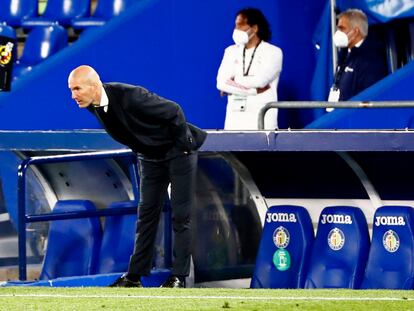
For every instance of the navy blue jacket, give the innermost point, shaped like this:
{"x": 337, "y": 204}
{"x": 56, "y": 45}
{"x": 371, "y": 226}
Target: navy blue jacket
{"x": 360, "y": 68}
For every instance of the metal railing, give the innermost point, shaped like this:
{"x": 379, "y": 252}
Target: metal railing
{"x": 324, "y": 104}
{"x": 24, "y": 218}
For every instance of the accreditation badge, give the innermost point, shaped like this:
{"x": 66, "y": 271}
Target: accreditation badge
{"x": 334, "y": 94}
{"x": 238, "y": 102}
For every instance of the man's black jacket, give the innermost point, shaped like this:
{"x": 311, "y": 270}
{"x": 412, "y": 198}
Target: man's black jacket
{"x": 145, "y": 122}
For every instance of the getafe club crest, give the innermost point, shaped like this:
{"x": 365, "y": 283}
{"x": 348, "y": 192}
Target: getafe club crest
{"x": 336, "y": 239}
{"x": 6, "y": 53}
{"x": 281, "y": 237}
{"x": 391, "y": 241}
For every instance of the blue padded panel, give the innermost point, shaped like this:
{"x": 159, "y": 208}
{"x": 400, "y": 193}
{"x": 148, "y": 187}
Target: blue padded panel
{"x": 104, "y": 11}
{"x": 340, "y": 250}
{"x": 391, "y": 255}
{"x": 12, "y": 12}
{"x": 118, "y": 240}
{"x": 296, "y": 237}
{"x": 20, "y": 70}
{"x": 73, "y": 244}
{"x": 155, "y": 279}
{"x": 59, "y": 11}
{"x": 41, "y": 43}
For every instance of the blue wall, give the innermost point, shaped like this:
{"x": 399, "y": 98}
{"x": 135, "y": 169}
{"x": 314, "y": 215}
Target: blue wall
{"x": 173, "y": 48}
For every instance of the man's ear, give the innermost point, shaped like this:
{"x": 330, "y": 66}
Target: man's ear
{"x": 357, "y": 32}
{"x": 354, "y": 33}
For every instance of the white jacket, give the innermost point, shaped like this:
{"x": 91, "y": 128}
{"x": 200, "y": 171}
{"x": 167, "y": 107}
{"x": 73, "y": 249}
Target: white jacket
{"x": 244, "y": 103}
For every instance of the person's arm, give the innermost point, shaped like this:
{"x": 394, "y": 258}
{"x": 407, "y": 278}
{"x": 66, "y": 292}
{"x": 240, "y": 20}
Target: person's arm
{"x": 158, "y": 110}
{"x": 226, "y": 74}
{"x": 270, "y": 68}
{"x": 370, "y": 72}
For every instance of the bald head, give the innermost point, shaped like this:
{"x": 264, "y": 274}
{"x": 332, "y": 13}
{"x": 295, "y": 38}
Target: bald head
{"x": 86, "y": 73}
{"x": 85, "y": 85}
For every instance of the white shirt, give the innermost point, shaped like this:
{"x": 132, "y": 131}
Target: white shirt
{"x": 358, "y": 44}
{"x": 104, "y": 100}
{"x": 244, "y": 103}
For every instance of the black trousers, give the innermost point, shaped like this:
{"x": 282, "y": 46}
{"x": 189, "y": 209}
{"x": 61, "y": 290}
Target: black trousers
{"x": 155, "y": 176}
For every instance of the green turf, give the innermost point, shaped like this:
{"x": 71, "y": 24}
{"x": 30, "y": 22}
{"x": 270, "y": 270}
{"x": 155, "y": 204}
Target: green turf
{"x": 44, "y": 298}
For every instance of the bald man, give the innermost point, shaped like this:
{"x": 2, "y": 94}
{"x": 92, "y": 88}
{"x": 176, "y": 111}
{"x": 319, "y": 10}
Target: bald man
{"x": 156, "y": 130}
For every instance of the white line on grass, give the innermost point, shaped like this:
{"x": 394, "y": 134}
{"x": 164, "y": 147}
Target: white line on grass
{"x": 208, "y": 297}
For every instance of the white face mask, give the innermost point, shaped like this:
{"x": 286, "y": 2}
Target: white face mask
{"x": 340, "y": 39}
{"x": 240, "y": 37}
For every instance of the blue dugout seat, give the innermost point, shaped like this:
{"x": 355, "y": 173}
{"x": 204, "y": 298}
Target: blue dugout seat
{"x": 7, "y": 31}
{"x": 340, "y": 250}
{"x": 118, "y": 240}
{"x": 73, "y": 244}
{"x": 59, "y": 11}
{"x": 391, "y": 256}
{"x": 284, "y": 249}
{"x": 41, "y": 43}
{"x": 104, "y": 11}
{"x": 12, "y": 12}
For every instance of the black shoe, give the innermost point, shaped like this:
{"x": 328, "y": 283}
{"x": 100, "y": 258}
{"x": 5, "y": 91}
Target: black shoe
{"x": 173, "y": 282}
{"x": 122, "y": 281}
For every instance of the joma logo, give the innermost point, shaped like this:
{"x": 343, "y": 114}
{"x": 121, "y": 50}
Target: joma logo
{"x": 336, "y": 219}
{"x": 389, "y": 220}
{"x": 280, "y": 217}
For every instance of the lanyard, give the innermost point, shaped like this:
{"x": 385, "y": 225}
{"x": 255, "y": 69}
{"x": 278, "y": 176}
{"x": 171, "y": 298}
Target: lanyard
{"x": 340, "y": 69}
{"x": 251, "y": 59}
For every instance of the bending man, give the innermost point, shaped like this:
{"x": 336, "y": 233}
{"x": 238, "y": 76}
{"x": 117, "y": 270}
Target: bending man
{"x": 166, "y": 145}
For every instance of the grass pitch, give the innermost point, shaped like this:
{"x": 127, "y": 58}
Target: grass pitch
{"x": 100, "y": 298}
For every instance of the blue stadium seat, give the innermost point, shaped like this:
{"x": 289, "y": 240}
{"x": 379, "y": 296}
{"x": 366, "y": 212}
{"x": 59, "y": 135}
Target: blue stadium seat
{"x": 59, "y": 11}
{"x": 118, "y": 240}
{"x": 41, "y": 43}
{"x": 12, "y": 12}
{"x": 391, "y": 256}
{"x": 105, "y": 10}
{"x": 284, "y": 249}
{"x": 73, "y": 244}
{"x": 7, "y": 31}
{"x": 340, "y": 250}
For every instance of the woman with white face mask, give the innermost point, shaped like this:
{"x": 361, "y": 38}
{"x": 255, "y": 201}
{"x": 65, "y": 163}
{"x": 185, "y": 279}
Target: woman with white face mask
{"x": 249, "y": 73}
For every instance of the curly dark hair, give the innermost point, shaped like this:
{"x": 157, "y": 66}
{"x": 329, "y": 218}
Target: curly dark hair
{"x": 256, "y": 17}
